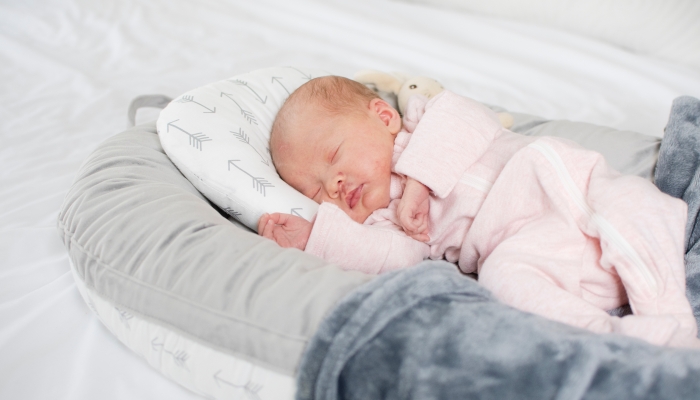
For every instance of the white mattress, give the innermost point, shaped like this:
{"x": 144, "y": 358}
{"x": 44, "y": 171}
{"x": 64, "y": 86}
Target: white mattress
{"x": 68, "y": 69}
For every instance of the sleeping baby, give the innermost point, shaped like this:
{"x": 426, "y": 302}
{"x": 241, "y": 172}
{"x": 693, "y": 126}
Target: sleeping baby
{"x": 548, "y": 227}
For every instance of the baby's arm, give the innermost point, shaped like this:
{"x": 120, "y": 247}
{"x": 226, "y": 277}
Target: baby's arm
{"x": 413, "y": 210}
{"x": 285, "y": 229}
{"x": 451, "y": 135}
{"x": 338, "y": 239}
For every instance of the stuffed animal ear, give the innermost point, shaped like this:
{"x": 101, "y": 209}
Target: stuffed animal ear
{"x": 402, "y": 76}
{"x": 381, "y": 80}
{"x": 506, "y": 119}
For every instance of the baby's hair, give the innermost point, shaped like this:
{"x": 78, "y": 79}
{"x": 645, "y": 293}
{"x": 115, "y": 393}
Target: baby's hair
{"x": 334, "y": 95}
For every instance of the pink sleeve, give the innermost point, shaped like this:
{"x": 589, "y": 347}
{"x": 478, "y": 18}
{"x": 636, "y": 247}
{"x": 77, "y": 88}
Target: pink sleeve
{"x": 338, "y": 239}
{"x": 456, "y": 131}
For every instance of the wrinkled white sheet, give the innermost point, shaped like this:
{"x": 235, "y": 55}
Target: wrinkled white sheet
{"x": 68, "y": 69}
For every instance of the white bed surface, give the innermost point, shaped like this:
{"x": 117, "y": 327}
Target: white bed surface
{"x": 68, "y": 70}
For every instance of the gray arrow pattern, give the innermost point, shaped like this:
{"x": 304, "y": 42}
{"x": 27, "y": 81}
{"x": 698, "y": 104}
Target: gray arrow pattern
{"x": 232, "y": 212}
{"x": 245, "y": 84}
{"x": 251, "y": 388}
{"x": 124, "y": 317}
{"x": 91, "y": 305}
{"x": 277, "y": 79}
{"x": 190, "y": 99}
{"x": 241, "y": 136}
{"x": 196, "y": 139}
{"x": 260, "y": 184}
{"x": 308, "y": 77}
{"x": 180, "y": 357}
{"x": 245, "y": 113}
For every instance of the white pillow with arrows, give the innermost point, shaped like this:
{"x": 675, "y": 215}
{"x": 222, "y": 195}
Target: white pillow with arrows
{"x": 218, "y": 136}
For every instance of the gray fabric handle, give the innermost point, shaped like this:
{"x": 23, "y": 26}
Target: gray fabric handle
{"x": 146, "y": 100}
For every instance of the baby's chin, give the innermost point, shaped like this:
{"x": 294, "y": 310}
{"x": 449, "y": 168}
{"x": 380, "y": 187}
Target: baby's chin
{"x": 364, "y": 213}
{"x": 359, "y": 216}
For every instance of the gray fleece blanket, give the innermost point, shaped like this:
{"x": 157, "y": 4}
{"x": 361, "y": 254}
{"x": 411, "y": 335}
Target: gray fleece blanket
{"x": 428, "y": 332}
{"x": 678, "y": 174}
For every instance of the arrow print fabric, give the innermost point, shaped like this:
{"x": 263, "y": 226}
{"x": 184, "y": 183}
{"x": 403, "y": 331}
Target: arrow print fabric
{"x": 245, "y": 84}
{"x": 260, "y": 184}
{"x": 227, "y": 122}
{"x": 241, "y": 136}
{"x": 179, "y": 357}
{"x": 251, "y": 388}
{"x": 245, "y": 113}
{"x": 196, "y": 139}
{"x": 190, "y": 99}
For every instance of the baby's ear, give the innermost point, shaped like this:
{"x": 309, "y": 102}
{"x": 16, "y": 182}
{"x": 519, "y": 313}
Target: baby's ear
{"x": 388, "y": 114}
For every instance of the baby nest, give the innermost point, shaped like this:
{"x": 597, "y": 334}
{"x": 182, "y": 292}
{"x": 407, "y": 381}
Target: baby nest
{"x": 157, "y": 256}
{"x": 208, "y": 303}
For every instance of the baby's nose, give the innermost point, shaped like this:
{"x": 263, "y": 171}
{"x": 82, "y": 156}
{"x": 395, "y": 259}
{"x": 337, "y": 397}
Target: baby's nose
{"x": 336, "y": 185}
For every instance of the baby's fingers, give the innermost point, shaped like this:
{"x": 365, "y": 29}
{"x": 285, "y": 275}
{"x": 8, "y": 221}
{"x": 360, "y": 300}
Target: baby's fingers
{"x": 406, "y": 220}
{"x": 417, "y": 223}
{"x": 269, "y": 230}
{"x": 421, "y": 237}
{"x": 262, "y": 222}
{"x": 421, "y": 222}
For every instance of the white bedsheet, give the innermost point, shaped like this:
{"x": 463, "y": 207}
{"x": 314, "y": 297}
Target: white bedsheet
{"x": 68, "y": 69}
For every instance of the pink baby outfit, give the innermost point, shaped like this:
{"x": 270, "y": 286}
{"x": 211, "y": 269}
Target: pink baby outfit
{"x": 546, "y": 224}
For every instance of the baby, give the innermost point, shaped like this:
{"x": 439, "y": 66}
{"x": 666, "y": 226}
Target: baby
{"x": 548, "y": 226}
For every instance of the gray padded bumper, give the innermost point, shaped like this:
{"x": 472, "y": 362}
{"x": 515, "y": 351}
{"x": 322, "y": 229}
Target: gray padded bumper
{"x": 140, "y": 235}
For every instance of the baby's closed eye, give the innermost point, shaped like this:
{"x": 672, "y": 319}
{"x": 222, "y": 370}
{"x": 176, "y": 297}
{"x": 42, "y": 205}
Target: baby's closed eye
{"x": 331, "y": 157}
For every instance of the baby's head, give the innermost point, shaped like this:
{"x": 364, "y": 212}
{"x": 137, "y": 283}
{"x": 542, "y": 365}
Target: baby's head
{"x": 333, "y": 141}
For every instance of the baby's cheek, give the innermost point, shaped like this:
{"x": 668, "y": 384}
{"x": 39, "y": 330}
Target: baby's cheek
{"x": 381, "y": 168}
{"x": 381, "y": 197}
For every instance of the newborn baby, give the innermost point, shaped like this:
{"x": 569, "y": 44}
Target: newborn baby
{"x": 547, "y": 225}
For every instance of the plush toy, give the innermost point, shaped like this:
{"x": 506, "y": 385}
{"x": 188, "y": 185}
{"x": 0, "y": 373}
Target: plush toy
{"x": 397, "y": 88}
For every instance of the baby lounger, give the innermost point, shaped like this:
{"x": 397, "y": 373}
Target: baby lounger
{"x": 204, "y": 300}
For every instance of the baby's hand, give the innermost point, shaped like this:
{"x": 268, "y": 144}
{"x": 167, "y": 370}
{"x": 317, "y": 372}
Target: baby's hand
{"x": 285, "y": 229}
{"x": 413, "y": 210}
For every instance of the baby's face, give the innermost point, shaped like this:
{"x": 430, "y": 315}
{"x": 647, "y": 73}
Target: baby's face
{"x": 344, "y": 160}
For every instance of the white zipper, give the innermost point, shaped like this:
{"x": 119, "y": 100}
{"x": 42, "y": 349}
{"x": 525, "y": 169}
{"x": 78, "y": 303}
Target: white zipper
{"x": 476, "y": 182}
{"x": 605, "y": 227}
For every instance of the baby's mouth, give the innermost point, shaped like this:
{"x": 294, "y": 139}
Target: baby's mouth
{"x": 353, "y": 197}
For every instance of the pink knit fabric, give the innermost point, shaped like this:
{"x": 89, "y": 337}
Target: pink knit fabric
{"x": 546, "y": 224}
